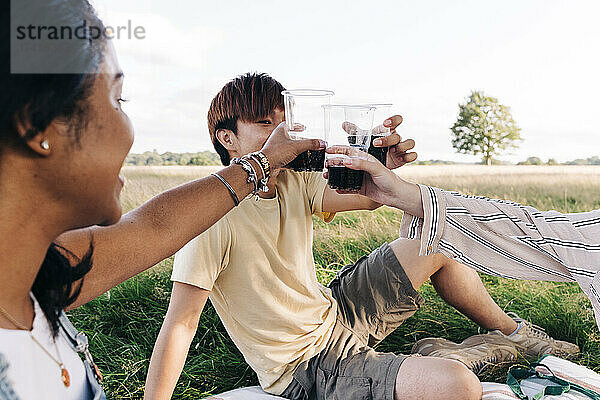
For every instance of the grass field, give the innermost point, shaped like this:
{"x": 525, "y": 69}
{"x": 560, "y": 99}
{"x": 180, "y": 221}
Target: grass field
{"x": 123, "y": 325}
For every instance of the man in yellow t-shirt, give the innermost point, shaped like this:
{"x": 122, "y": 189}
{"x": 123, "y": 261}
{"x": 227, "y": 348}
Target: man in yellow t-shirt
{"x": 304, "y": 340}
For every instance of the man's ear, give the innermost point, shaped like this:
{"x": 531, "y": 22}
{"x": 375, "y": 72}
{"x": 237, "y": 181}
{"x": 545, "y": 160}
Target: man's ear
{"x": 227, "y": 138}
{"x": 38, "y": 142}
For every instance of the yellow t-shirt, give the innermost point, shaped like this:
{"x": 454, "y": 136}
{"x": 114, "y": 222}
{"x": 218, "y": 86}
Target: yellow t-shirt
{"x": 257, "y": 262}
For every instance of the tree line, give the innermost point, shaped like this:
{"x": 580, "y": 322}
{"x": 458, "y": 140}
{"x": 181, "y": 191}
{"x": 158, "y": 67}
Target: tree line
{"x": 580, "y": 161}
{"x": 153, "y": 158}
{"x": 483, "y": 127}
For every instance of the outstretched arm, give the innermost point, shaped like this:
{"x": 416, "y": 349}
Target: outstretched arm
{"x": 497, "y": 237}
{"x": 162, "y": 225}
{"x": 507, "y": 239}
{"x": 153, "y": 231}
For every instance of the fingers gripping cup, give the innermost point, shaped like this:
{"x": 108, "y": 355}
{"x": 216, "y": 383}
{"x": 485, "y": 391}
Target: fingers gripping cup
{"x": 348, "y": 125}
{"x": 382, "y": 112}
{"x": 304, "y": 107}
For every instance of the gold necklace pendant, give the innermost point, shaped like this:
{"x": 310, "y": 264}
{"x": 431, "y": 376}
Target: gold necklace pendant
{"x": 98, "y": 373}
{"x": 66, "y": 379}
{"x": 64, "y": 374}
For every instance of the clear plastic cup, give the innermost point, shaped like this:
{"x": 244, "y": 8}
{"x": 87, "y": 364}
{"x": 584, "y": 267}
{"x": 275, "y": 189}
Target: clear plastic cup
{"x": 304, "y": 107}
{"x": 348, "y": 125}
{"x": 382, "y": 112}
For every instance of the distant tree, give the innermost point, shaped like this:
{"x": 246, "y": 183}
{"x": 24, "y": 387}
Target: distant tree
{"x": 169, "y": 158}
{"x": 154, "y": 159}
{"x": 135, "y": 159}
{"x": 585, "y": 161}
{"x": 205, "y": 158}
{"x": 197, "y": 161}
{"x": 184, "y": 160}
{"x": 484, "y": 127}
{"x": 552, "y": 161}
{"x": 594, "y": 160}
{"x": 532, "y": 161}
{"x": 434, "y": 162}
{"x": 496, "y": 162}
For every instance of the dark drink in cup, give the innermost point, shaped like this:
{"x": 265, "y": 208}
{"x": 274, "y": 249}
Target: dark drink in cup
{"x": 379, "y": 153}
{"x": 347, "y": 125}
{"x": 310, "y": 160}
{"x": 305, "y": 107}
{"x": 344, "y": 178}
{"x": 382, "y": 111}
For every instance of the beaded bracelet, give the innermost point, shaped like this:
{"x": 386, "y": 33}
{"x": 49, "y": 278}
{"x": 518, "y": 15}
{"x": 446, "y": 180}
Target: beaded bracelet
{"x": 264, "y": 161}
{"x": 265, "y": 167}
{"x": 264, "y": 179}
{"x": 252, "y": 176}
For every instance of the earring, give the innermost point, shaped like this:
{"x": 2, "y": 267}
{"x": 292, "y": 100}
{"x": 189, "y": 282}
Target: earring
{"x": 45, "y": 145}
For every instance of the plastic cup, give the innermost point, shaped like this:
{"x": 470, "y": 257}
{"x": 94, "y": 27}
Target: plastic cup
{"x": 382, "y": 112}
{"x": 348, "y": 125}
{"x": 304, "y": 107}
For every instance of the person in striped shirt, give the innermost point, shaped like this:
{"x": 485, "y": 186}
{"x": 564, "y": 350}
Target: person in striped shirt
{"x": 497, "y": 237}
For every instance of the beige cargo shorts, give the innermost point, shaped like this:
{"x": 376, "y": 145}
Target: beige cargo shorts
{"x": 374, "y": 296}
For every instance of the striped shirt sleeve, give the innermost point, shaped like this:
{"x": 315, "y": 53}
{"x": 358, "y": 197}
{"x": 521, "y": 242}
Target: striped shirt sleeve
{"x": 507, "y": 239}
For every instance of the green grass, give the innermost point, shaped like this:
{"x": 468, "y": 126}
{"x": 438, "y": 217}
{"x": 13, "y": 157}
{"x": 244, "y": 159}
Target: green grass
{"x": 123, "y": 325}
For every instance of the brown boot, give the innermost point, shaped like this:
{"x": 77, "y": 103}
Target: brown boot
{"x": 476, "y": 357}
{"x": 530, "y": 340}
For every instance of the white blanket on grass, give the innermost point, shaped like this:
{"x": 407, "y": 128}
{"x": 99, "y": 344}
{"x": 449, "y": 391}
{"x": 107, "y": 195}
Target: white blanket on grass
{"x": 491, "y": 391}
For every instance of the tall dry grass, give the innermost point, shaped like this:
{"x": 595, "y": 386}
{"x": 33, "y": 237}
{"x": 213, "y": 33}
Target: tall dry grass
{"x": 124, "y": 326}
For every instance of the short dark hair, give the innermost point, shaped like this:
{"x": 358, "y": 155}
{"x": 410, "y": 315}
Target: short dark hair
{"x": 246, "y": 98}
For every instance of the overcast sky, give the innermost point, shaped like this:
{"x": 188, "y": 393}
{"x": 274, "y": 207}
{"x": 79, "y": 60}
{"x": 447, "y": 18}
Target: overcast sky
{"x": 541, "y": 58}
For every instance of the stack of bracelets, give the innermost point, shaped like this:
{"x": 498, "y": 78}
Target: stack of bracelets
{"x": 259, "y": 184}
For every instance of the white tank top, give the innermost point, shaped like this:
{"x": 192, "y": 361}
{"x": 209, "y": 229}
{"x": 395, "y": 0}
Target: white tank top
{"x": 31, "y": 372}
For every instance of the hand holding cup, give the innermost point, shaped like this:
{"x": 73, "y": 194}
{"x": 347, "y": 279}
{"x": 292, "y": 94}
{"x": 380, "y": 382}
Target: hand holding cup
{"x": 280, "y": 148}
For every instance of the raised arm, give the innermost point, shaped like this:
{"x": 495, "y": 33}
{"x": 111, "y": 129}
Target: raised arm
{"x": 174, "y": 340}
{"x": 162, "y": 225}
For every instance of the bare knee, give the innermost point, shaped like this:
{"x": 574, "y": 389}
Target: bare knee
{"x": 417, "y": 268}
{"x": 460, "y": 383}
{"x": 466, "y": 384}
{"x": 436, "y": 379}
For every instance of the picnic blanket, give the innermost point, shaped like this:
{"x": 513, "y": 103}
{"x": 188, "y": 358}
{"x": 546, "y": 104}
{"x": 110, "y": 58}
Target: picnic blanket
{"x": 247, "y": 393}
{"x": 531, "y": 387}
{"x": 551, "y": 378}
{"x": 491, "y": 391}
